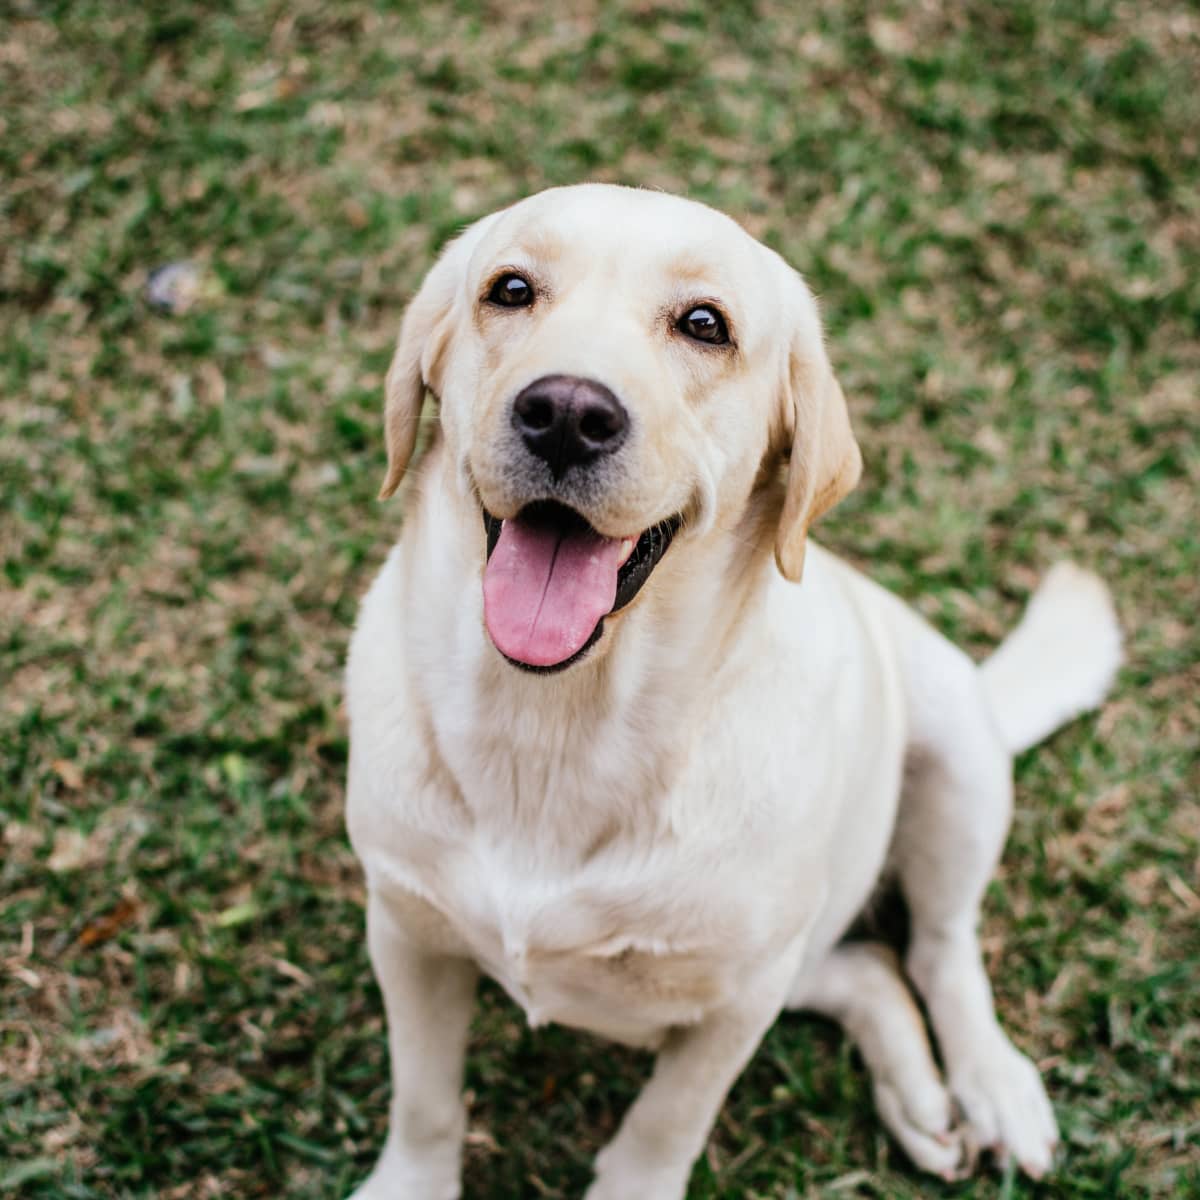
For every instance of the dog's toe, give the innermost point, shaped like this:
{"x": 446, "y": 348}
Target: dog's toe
{"x": 922, "y": 1122}
{"x": 1006, "y": 1107}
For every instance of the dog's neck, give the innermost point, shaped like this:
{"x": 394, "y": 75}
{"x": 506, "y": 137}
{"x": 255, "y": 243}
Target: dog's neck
{"x": 596, "y": 747}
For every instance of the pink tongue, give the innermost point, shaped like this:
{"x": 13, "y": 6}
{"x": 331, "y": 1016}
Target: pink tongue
{"x": 545, "y": 591}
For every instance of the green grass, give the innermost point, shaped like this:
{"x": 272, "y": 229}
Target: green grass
{"x": 1000, "y": 207}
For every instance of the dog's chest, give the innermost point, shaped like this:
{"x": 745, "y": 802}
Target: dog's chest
{"x": 622, "y": 957}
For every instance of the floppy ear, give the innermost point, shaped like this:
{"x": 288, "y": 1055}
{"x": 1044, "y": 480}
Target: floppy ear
{"x": 420, "y": 352}
{"x": 825, "y": 461}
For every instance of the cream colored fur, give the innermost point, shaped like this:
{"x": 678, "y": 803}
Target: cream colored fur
{"x": 665, "y": 843}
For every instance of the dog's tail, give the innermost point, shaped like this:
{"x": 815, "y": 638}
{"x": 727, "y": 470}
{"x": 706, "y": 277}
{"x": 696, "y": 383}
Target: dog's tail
{"x": 1058, "y": 662}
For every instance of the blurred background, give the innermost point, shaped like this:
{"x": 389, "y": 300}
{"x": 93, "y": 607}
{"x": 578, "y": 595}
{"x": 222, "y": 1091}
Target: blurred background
{"x": 211, "y": 217}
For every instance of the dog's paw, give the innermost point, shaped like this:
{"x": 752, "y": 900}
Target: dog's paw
{"x": 643, "y": 1188}
{"x": 921, "y": 1119}
{"x": 1006, "y": 1107}
{"x": 621, "y": 1175}
{"x": 383, "y": 1189}
{"x": 394, "y": 1179}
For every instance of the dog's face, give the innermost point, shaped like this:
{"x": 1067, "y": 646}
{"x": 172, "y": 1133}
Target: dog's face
{"x": 615, "y": 368}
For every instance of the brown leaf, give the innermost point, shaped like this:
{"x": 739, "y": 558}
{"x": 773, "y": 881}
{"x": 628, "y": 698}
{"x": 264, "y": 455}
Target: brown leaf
{"x": 101, "y": 929}
{"x": 69, "y": 773}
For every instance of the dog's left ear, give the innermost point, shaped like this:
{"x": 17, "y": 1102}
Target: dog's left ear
{"x": 825, "y": 461}
{"x": 421, "y": 351}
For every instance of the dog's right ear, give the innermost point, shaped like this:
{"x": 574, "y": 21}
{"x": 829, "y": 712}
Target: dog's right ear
{"x": 421, "y": 350}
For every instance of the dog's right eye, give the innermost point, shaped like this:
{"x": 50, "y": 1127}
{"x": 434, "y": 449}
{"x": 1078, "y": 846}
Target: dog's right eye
{"x": 704, "y": 324}
{"x": 511, "y": 291}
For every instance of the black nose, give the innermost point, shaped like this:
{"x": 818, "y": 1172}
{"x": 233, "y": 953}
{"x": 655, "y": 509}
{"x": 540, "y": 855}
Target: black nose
{"x": 569, "y": 422}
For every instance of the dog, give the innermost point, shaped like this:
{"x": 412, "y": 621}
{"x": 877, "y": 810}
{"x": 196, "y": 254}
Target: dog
{"x": 625, "y": 739}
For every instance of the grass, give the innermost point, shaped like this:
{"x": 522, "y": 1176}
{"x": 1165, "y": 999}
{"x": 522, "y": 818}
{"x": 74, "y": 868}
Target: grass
{"x": 1000, "y": 206}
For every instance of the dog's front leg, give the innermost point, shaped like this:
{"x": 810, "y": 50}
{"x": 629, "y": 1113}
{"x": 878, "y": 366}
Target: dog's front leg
{"x": 428, "y": 999}
{"x": 664, "y": 1132}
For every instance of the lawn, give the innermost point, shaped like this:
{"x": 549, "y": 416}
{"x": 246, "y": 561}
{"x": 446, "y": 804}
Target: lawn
{"x": 999, "y": 205}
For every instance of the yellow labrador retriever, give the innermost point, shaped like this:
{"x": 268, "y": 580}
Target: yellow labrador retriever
{"x": 608, "y": 746}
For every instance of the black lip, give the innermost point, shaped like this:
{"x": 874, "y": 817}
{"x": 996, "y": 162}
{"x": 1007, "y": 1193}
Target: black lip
{"x": 631, "y": 578}
{"x": 554, "y": 668}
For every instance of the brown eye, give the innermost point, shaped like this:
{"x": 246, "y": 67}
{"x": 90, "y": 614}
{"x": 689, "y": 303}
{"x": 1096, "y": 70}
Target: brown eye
{"x": 704, "y": 324}
{"x": 511, "y": 291}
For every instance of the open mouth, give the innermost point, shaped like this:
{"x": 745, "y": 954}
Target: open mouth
{"x": 551, "y": 579}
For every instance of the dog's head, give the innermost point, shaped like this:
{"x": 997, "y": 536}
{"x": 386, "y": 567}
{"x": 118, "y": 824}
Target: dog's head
{"x": 615, "y": 369}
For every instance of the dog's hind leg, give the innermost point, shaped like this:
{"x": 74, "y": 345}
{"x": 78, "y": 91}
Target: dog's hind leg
{"x": 859, "y": 985}
{"x": 964, "y": 724}
{"x": 953, "y": 821}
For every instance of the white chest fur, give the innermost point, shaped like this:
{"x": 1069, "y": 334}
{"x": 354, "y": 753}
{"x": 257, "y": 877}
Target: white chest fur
{"x": 619, "y": 945}
{"x": 589, "y": 948}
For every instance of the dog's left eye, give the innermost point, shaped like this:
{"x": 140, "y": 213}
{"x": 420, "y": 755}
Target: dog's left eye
{"x": 511, "y": 291}
{"x": 704, "y": 324}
